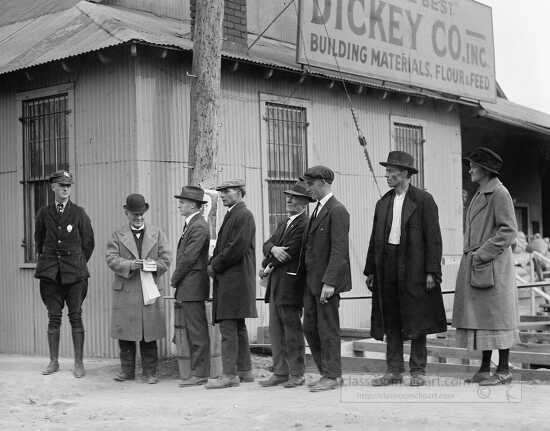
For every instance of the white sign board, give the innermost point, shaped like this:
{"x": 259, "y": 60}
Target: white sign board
{"x": 443, "y": 45}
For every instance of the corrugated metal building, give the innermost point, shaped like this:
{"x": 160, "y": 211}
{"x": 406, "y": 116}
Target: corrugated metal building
{"x": 123, "y": 74}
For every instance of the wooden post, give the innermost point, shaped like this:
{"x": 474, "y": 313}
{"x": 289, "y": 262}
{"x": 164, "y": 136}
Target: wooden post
{"x": 205, "y": 92}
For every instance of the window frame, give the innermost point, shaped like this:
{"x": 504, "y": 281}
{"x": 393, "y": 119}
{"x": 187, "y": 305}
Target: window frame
{"x": 414, "y": 122}
{"x": 266, "y": 98}
{"x": 19, "y": 99}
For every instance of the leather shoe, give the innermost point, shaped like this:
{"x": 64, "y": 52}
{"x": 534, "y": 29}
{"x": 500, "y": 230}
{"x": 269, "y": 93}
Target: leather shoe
{"x": 417, "y": 380}
{"x": 151, "y": 380}
{"x": 387, "y": 380}
{"x": 478, "y": 377}
{"x": 223, "y": 382}
{"x": 325, "y": 384}
{"x": 314, "y": 382}
{"x": 52, "y": 367}
{"x": 498, "y": 378}
{"x": 122, "y": 377}
{"x": 193, "y": 381}
{"x": 246, "y": 376}
{"x": 274, "y": 380}
{"x": 294, "y": 382}
{"x": 78, "y": 370}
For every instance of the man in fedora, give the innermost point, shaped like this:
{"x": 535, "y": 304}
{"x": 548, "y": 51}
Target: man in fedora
{"x": 192, "y": 284}
{"x": 134, "y": 248}
{"x": 326, "y": 266}
{"x": 233, "y": 268}
{"x": 285, "y": 291}
{"x": 64, "y": 243}
{"x": 403, "y": 270}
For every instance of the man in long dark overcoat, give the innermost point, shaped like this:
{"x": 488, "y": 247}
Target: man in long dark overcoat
{"x": 192, "y": 284}
{"x": 285, "y": 291}
{"x": 233, "y": 268}
{"x": 403, "y": 270}
{"x": 64, "y": 243}
{"x": 327, "y": 271}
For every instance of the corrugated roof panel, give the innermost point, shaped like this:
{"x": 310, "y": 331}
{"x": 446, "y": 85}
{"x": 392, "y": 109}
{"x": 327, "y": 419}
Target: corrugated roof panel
{"x": 518, "y": 115}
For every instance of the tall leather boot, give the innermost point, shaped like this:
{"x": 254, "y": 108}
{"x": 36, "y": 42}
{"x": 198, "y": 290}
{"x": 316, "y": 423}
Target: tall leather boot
{"x": 78, "y": 343}
{"x": 53, "y": 344}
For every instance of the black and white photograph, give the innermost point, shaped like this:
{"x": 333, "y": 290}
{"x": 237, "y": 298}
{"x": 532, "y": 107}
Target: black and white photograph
{"x": 274, "y": 215}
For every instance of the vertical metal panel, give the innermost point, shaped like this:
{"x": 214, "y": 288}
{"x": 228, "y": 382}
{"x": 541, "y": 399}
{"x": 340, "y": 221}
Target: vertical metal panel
{"x": 171, "y": 8}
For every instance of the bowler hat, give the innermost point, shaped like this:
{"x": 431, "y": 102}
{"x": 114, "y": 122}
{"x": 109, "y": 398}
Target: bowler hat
{"x": 61, "y": 177}
{"x": 192, "y": 193}
{"x": 400, "y": 159}
{"x": 319, "y": 173}
{"x": 231, "y": 184}
{"x": 135, "y": 203}
{"x": 486, "y": 158}
{"x": 298, "y": 189}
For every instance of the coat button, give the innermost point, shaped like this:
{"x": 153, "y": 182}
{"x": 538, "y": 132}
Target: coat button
{"x": 59, "y": 241}
{"x": 58, "y": 227}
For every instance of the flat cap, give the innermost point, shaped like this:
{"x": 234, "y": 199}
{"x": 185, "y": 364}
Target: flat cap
{"x": 62, "y": 177}
{"x": 320, "y": 173}
{"x": 230, "y": 184}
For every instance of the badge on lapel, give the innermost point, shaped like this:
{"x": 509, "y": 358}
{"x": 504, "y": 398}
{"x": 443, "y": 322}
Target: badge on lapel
{"x": 69, "y": 228}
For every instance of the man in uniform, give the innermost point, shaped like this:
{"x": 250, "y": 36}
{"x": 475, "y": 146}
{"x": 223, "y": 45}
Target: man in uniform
{"x": 192, "y": 284}
{"x": 233, "y": 268}
{"x": 327, "y": 271}
{"x": 64, "y": 243}
{"x": 403, "y": 270}
{"x": 285, "y": 292}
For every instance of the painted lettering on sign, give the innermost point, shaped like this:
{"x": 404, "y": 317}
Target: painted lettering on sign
{"x": 444, "y": 45}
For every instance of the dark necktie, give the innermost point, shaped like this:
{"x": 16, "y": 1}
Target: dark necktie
{"x": 315, "y": 211}
{"x": 60, "y": 208}
{"x": 184, "y": 229}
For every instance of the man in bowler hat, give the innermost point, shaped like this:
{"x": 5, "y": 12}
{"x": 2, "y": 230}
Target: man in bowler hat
{"x": 403, "y": 270}
{"x": 64, "y": 242}
{"x": 327, "y": 272}
{"x": 233, "y": 268}
{"x": 285, "y": 291}
{"x": 192, "y": 284}
{"x": 134, "y": 248}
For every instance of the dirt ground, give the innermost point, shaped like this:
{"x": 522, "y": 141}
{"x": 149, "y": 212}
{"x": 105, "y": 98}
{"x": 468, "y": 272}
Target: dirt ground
{"x": 30, "y": 401}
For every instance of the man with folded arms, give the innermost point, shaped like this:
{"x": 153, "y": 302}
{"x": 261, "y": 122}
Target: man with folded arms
{"x": 190, "y": 279}
{"x": 285, "y": 291}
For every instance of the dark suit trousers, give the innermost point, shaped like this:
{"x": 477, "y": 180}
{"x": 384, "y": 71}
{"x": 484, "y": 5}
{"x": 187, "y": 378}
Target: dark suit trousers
{"x": 190, "y": 318}
{"x": 287, "y": 339}
{"x": 55, "y": 295}
{"x": 235, "y": 347}
{"x": 322, "y": 331}
{"x": 392, "y": 322}
{"x": 149, "y": 357}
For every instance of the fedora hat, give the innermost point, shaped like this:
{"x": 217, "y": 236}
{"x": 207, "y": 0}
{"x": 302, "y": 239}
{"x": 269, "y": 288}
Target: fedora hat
{"x": 298, "y": 189}
{"x": 400, "y": 159}
{"x": 135, "y": 203}
{"x": 192, "y": 193}
{"x": 486, "y": 158}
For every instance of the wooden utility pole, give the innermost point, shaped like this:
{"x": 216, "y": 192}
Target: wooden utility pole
{"x": 205, "y": 92}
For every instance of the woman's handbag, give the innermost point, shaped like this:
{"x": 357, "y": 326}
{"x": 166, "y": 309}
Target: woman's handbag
{"x": 483, "y": 275}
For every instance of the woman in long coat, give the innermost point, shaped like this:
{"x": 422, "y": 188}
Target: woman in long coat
{"x": 485, "y": 312}
{"x": 131, "y": 320}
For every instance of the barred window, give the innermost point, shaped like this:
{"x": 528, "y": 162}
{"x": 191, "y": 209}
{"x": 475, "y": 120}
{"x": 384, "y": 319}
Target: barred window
{"x": 45, "y": 150}
{"x": 410, "y": 138}
{"x": 286, "y": 155}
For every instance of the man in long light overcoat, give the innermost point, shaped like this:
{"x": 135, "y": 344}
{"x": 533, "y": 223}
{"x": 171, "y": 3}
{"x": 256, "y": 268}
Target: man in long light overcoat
{"x": 133, "y": 248}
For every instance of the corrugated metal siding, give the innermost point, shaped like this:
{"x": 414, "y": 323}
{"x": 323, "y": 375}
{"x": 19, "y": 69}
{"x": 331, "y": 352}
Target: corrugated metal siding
{"x": 171, "y": 8}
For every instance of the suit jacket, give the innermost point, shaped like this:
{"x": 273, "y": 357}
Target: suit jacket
{"x": 64, "y": 243}
{"x": 131, "y": 319}
{"x": 326, "y": 249}
{"x": 419, "y": 254}
{"x": 234, "y": 263}
{"x": 190, "y": 277}
{"x": 283, "y": 281}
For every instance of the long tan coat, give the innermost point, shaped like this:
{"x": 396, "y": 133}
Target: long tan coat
{"x": 131, "y": 319}
{"x": 491, "y": 229}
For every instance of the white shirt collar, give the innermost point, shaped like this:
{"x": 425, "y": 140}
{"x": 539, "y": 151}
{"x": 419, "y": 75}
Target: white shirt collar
{"x": 62, "y": 203}
{"x": 135, "y": 229}
{"x": 188, "y": 219}
{"x": 323, "y": 201}
{"x": 293, "y": 217}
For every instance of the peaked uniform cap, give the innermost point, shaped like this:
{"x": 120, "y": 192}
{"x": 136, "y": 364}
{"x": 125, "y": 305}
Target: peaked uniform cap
{"x": 61, "y": 177}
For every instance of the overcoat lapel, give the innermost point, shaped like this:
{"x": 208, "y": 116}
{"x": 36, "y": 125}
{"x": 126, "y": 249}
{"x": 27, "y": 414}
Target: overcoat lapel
{"x": 479, "y": 202}
{"x": 409, "y": 206}
{"x": 321, "y": 215}
{"x": 148, "y": 242}
{"x": 185, "y": 234}
{"x": 127, "y": 239}
{"x": 384, "y": 208}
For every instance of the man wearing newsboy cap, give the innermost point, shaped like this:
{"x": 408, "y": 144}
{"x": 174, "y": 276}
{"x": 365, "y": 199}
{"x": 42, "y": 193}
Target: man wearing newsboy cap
{"x": 285, "y": 291}
{"x": 403, "y": 270}
{"x": 327, "y": 272}
{"x": 233, "y": 268}
{"x": 190, "y": 279}
{"x": 64, "y": 242}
